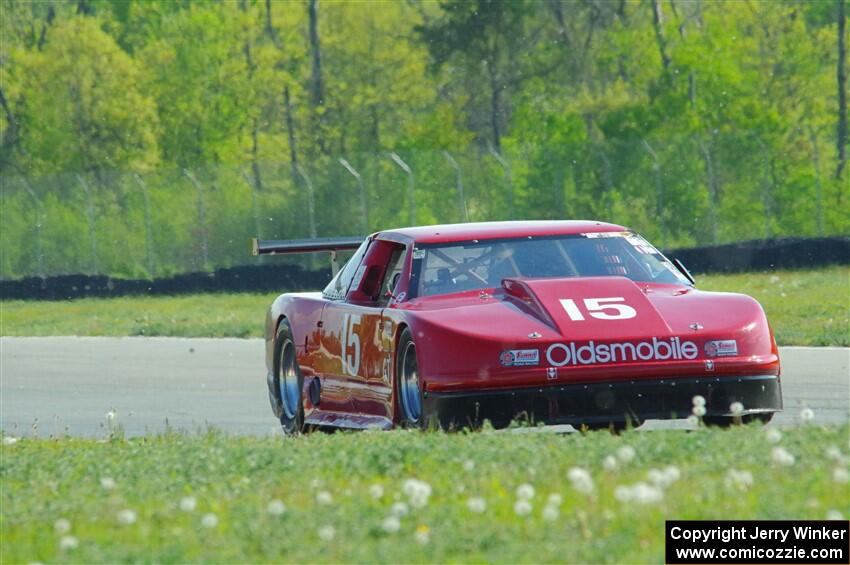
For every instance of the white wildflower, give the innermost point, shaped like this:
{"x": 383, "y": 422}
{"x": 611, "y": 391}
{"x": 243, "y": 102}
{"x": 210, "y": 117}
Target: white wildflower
{"x": 209, "y": 520}
{"x": 468, "y": 465}
{"x": 626, "y": 453}
{"x": 698, "y": 411}
{"x": 399, "y": 509}
{"x": 782, "y": 457}
{"x": 581, "y": 480}
{"x": 417, "y": 492}
{"x": 9, "y": 440}
{"x": 108, "y": 483}
{"x": 698, "y": 400}
{"x": 736, "y": 408}
{"x": 550, "y": 513}
{"x": 554, "y": 499}
{"x": 476, "y": 504}
{"x": 127, "y": 517}
{"x": 807, "y": 414}
{"x": 68, "y": 543}
{"x": 62, "y": 526}
{"x": 663, "y": 478}
{"x": 188, "y": 503}
{"x": 738, "y": 480}
{"x": 773, "y": 435}
{"x": 376, "y": 491}
{"x": 525, "y": 491}
{"x": 609, "y": 463}
{"x": 832, "y": 452}
{"x": 840, "y": 475}
{"x": 276, "y": 507}
{"x": 324, "y": 497}
{"x": 327, "y": 533}
{"x": 692, "y": 420}
{"x": 639, "y": 493}
{"x": 834, "y": 514}
{"x": 522, "y": 507}
{"x": 391, "y": 525}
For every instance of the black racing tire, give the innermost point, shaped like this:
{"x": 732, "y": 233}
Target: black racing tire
{"x": 729, "y": 421}
{"x": 408, "y": 388}
{"x": 288, "y": 383}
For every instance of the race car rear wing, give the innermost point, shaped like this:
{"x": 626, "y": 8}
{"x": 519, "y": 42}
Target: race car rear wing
{"x": 330, "y": 244}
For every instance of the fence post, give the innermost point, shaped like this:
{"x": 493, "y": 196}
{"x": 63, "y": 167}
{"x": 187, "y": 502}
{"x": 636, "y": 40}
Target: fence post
{"x": 39, "y": 223}
{"x": 148, "y": 226}
{"x": 90, "y": 214}
{"x": 659, "y": 192}
{"x": 464, "y": 214}
{"x": 411, "y": 195}
{"x": 506, "y": 167}
{"x": 201, "y": 219}
{"x": 254, "y": 208}
{"x": 311, "y": 202}
{"x": 364, "y": 226}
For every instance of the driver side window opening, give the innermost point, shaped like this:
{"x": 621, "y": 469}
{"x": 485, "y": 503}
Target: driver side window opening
{"x": 381, "y": 266}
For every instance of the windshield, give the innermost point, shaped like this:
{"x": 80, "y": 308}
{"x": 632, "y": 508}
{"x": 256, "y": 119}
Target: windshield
{"x": 476, "y": 265}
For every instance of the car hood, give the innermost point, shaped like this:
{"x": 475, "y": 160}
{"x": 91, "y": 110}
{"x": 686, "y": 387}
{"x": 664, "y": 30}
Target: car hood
{"x": 553, "y": 316}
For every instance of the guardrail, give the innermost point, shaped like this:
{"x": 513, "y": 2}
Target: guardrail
{"x": 756, "y": 255}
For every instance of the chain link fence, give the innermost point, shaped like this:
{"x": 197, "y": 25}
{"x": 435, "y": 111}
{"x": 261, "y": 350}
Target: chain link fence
{"x": 681, "y": 192}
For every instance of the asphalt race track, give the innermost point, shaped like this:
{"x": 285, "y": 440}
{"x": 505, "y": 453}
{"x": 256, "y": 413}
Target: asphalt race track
{"x": 66, "y": 385}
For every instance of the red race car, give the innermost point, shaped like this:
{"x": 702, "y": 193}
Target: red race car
{"x": 555, "y": 322}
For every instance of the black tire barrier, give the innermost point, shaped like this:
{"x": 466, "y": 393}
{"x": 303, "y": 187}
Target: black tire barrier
{"x": 756, "y": 255}
{"x": 259, "y": 278}
{"x": 766, "y": 255}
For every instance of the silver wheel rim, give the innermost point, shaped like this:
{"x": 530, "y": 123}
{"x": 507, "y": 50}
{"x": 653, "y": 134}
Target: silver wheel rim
{"x": 288, "y": 379}
{"x": 410, "y": 399}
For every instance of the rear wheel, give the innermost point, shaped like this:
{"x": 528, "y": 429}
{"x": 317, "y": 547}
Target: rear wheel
{"x": 408, "y": 388}
{"x": 288, "y": 382}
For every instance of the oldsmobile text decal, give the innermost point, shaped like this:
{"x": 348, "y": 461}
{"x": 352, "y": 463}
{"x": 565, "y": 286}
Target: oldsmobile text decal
{"x": 674, "y": 348}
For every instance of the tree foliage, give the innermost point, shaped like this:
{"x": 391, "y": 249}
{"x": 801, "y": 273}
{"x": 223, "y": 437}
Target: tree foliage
{"x": 175, "y": 129}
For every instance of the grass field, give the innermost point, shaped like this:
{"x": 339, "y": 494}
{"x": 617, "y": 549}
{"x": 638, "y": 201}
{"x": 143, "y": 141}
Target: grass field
{"x": 804, "y": 307}
{"x": 332, "y": 498}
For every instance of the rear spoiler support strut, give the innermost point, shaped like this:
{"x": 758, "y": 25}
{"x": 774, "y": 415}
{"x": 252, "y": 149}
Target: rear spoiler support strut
{"x": 330, "y": 244}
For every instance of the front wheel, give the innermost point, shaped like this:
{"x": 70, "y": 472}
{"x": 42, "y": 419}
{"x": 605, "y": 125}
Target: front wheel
{"x": 288, "y": 381}
{"x": 408, "y": 388}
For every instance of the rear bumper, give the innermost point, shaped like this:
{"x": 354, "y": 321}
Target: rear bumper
{"x": 636, "y": 400}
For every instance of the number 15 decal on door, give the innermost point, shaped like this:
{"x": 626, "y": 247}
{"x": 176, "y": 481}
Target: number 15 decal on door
{"x": 349, "y": 338}
{"x": 599, "y": 308}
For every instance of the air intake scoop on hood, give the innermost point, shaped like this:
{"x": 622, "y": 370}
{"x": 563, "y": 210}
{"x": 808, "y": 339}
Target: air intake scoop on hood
{"x": 585, "y": 308}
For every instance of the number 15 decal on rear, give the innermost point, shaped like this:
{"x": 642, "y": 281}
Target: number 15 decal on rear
{"x": 349, "y": 338}
{"x": 599, "y": 308}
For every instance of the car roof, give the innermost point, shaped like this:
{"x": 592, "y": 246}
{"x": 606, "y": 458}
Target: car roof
{"x": 450, "y": 233}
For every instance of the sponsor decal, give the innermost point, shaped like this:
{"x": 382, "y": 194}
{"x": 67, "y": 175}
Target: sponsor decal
{"x": 674, "y": 348}
{"x": 418, "y": 254}
{"x": 721, "y": 348}
{"x": 551, "y": 373}
{"x": 519, "y": 357}
{"x": 605, "y": 234}
{"x": 709, "y": 365}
